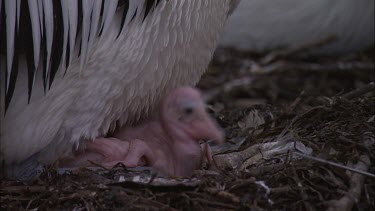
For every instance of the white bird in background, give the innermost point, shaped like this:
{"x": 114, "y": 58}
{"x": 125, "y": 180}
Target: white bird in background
{"x": 74, "y": 70}
{"x": 261, "y": 25}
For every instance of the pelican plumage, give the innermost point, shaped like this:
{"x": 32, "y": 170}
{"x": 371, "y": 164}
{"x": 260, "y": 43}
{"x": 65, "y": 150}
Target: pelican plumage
{"x": 74, "y": 70}
{"x": 262, "y": 25}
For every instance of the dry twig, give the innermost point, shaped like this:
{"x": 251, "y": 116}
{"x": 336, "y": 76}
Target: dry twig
{"x": 359, "y": 171}
{"x": 361, "y": 91}
{"x": 313, "y": 67}
{"x": 274, "y": 55}
{"x": 354, "y": 193}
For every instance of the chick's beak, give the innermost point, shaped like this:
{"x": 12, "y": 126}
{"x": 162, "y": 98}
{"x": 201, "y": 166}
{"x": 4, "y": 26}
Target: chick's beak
{"x": 210, "y": 130}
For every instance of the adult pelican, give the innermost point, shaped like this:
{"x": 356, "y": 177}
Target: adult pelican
{"x": 75, "y": 70}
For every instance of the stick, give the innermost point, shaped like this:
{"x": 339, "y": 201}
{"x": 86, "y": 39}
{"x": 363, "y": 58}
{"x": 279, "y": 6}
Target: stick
{"x": 354, "y": 193}
{"x": 305, "y": 66}
{"x": 227, "y": 87}
{"x": 335, "y": 164}
{"x": 297, "y": 49}
{"x": 359, "y": 92}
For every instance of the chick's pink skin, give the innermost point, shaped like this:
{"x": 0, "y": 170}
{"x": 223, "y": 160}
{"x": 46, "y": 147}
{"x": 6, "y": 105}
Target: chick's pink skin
{"x": 170, "y": 143}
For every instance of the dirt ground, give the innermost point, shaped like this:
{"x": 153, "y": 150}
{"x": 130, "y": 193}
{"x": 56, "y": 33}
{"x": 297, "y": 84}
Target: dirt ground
{"x": 300, "y": 134}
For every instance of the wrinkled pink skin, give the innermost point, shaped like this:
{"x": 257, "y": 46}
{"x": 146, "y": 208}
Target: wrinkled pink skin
{"x": 169, "y": 144}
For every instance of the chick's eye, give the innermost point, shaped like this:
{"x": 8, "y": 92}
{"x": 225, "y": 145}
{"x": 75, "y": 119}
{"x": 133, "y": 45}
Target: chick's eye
{"x": 188, "y": 110}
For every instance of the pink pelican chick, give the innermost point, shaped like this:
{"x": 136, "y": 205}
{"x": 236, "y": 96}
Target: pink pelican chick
{"x": 169, "y": 143}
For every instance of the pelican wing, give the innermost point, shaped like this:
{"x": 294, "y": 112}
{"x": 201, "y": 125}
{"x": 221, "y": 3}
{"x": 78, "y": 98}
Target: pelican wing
{"x": 50, "y": 33}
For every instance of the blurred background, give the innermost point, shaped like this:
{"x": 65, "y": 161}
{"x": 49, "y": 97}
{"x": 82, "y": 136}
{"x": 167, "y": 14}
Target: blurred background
{"x": 261, "y": 25}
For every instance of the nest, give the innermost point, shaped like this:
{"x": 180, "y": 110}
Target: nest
{"x": 300, "y": 135}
